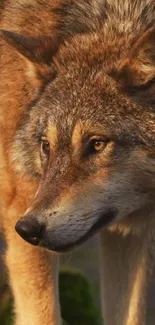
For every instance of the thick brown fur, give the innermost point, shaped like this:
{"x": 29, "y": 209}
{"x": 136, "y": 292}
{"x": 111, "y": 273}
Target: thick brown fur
{"x": 33, "y": 272}
{"x": 77, "y": 147}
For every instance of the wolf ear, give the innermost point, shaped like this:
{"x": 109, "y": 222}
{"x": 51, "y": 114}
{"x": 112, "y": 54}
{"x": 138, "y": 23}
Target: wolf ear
{"x": 36, "y": 51}
{"x": 139, "y": 68}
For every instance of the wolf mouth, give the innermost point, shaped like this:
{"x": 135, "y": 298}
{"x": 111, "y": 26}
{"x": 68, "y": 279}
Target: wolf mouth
{"x": 103, "y": 221}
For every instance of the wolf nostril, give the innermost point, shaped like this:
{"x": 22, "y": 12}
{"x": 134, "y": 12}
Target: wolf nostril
{"x": 29, "y": 229}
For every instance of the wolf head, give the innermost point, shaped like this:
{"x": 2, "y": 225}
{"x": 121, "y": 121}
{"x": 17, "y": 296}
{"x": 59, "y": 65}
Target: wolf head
{"x": 89, "y": 140}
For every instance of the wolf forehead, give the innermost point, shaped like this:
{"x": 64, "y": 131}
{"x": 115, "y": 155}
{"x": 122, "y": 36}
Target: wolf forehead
{"x": 91, "y": 98}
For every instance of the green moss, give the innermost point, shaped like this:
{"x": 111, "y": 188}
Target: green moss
{"x": 77, "y": 305}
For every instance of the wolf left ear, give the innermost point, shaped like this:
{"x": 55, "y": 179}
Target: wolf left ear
{"x": 139, "y": 68}
{"x": 36, "y": 51}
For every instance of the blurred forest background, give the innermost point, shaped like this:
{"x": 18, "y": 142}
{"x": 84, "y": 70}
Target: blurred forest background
{"x": 79, "y": 288}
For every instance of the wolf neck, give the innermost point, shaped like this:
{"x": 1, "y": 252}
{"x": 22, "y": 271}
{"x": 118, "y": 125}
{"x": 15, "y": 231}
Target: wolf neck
{"x": 126, "y": 267}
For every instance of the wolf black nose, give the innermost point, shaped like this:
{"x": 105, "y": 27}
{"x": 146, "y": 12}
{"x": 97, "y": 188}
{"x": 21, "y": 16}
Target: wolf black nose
{"x": 29, "y": 229}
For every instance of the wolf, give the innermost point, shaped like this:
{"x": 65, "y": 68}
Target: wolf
{"x": 78, "y": 149}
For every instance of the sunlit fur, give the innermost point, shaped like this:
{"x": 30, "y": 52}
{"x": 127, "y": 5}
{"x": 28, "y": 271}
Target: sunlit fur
{"x": 73, "y": 71}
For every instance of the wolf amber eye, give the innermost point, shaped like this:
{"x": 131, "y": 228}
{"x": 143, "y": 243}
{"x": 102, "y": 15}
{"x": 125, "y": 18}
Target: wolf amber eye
{"x": 96, "y": 146}
{"x": 45, "y": 147}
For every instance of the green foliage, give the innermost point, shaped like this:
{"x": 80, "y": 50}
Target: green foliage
{"x": 77, "y": 305}
{"x": 7, "y": 317}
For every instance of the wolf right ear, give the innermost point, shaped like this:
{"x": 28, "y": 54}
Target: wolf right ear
{"x": 138, "y": 69}
{"x": 36, "y": 51}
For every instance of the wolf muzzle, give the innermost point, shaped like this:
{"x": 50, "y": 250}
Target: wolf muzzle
{"x": 60, "y": 236}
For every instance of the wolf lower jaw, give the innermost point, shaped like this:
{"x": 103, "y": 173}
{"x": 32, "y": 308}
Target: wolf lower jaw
{"x": 60, "y": 245}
